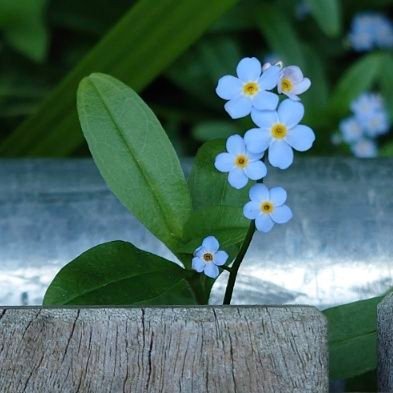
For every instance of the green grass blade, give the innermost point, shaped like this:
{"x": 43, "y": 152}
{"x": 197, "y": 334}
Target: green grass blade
{"x": 148, "y": 38}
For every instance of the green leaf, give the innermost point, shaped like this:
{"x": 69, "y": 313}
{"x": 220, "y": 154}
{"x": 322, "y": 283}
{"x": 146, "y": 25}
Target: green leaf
{"x": 386, "y": 83}
{"x": 145, "y": 41}
{"x": 134, "y": 156}
{"x": 327, "y": 13}
{"x": 214, "y": 129}
{"x": 280, "y": 34}
{"x": 117, "y": 273}
{"x": 23, "y": 24}
{"x": 210, "y": 188}
{"x": 355, "y": 80}
{"x": 352, "y": 338}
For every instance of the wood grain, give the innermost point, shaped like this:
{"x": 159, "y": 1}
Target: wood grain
{"x": 169, "y": 349}
{"x": 385, "y": 344}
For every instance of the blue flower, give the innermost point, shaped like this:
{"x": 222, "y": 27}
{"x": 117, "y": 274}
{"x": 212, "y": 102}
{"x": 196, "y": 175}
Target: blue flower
{"x": 240, "y": 163}
{"x": 292, "y": 82}
{"x": 248, "y": 90}
{"x": 267, "y": 207}
{"x": 351, "y": 130}
{"x": 364, "y": 148}
{"x": 371, "y": 30}
{"x": 280, "y": 132}
{"x": 208, "y": 256}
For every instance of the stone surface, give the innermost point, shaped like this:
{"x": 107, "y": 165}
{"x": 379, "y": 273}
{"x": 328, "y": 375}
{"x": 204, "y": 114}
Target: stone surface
{"x": 385, "y": 344}
{"x": 337, "y": 248}
{"x": 202, "y": 349}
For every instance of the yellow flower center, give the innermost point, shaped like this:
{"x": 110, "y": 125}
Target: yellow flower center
{"x": 241, "y": 161}
{"x": 208, "y": 257}
{"x": 250, "y": 88}
{"x": 266, "y": 207}
{"x": 286, "y": 85}
{"x": 279, "y": 131}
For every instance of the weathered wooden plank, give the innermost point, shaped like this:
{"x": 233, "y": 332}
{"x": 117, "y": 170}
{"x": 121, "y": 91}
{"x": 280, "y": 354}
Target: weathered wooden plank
{"x": 169, "y": 349}
{"x": 385, "y": 344}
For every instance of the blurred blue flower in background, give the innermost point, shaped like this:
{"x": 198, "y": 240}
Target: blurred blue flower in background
{"x": 371, "y": 30}
{"x": 370, "y": 119}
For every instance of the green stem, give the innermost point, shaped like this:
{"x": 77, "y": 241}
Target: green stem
{"x": 237, "y": 263}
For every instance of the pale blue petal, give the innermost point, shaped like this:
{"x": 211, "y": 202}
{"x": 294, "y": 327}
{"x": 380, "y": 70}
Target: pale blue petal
{"x": 302, "y": 86}
{"x": 224, "y": 162}
{"x": 257, "y": 140}
{"x": 198, "y": 264}
{"x": 254, "y": 156}
{"x": 251, "y": 210}
{"x": 264, "y": 223}
{"x": 264, "y": 119}
{"x": 290, "y": 113}
{"x": 211, "y": 270}
{"x": 294, "y": 73}
{"x": 197, "y": 251}
{"x": 255, "y": 170}
{"x": 270, "y": 77}
{"x": 238, "y": 107}
{"x": 278, "y": 196}
{"x": 265, "y": 101}
{"x": 229, "y": 87}
{"x": 281, "y": 214}
{"x": 259, "y": 193}
{"x": 210, "y": 244}
{"x": 301, "y": 137}
{"x": 280, "y": 154}
{"x": 237, "y": 178}
{"x": 249, "y": 69}
{"x": 220, "y": 258}
{"x": 235, "y": 144}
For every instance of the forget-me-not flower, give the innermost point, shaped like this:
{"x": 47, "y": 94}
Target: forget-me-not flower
{"x": 249, "y": 89}
{"x": 208, "y": 256}
{"x": 292, "y": 82}
{"x": 371, "y": 30}
{"x": 351, "y": 130}
{"x": 280, "y": 132}
{"x": 364, "y": 148}
{"x": 267, "y": 207}
{"x": 240, "y": 163}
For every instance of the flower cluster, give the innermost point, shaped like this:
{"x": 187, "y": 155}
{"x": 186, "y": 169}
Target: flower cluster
{"x": 369, "y": 120}
{"x": 369, "y": 31}
{"x": 277, "y": 131}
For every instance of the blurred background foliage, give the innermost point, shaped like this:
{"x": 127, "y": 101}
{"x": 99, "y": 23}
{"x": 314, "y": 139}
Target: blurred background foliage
{"x": 173, "y": 53}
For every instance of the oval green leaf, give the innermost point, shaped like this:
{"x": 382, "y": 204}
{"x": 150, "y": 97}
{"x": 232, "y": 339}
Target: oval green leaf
{"x": 134, "y": 156}
{"x": 117, "y": 273}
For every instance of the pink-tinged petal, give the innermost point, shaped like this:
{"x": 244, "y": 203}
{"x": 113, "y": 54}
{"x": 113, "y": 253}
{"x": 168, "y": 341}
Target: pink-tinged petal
{"x": 259, "y": 193}
{"x": 238, "y": 107}
{"x": 270, "y": 77}
{"x": 235, "y": 145}
{"x": 255, "y": 170}
{"x": 264, "y": 119}
{"x": 281, "y": 214}
{"x": 249, "y": 69}
{"x": 220, "y": 258}
{"x": 237, "y": 178}
{"x": 229, "y": 87}
{"x": 210, "y": 244}
{"x": 301, "y": 137}
{"x": 198, "y": 264}
{"x": 278, "y": 196}
{"x": 251, "y": 210}
{"x": 302, "y": 86}
{"x": 224, "y": 162}
{"x": 211, "y": 270}
{"x": 265, "y": 101}
{"x": 294, "y": 73}
{"x": 257, "y": 140}
{"x": 290, "y": 113}
{"x": 280, "y": 154}
{"x": 264, "y": 223}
